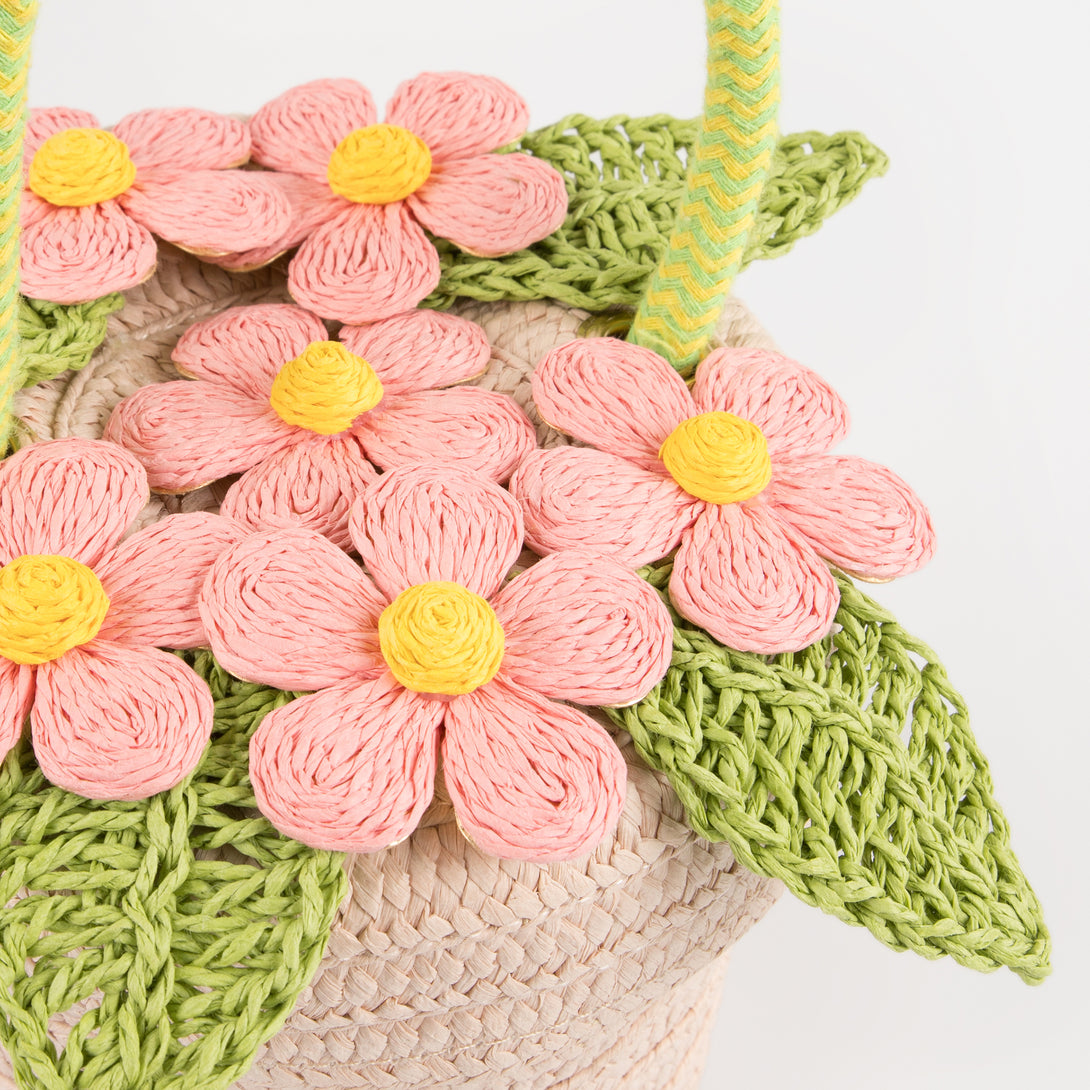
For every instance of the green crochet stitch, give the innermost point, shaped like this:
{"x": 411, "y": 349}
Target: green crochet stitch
{"x": 180, "y": 946}
{"x": 626, "y": 178}
{"x": 801, "y": 763}
{"x": 54, "y": 338}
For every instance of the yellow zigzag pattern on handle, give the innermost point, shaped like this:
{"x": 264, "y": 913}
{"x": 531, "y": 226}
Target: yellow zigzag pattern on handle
{"x": 683, "y": 299}
{"x": 16, "y": 24}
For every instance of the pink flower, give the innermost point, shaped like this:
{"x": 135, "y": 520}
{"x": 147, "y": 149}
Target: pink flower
{"x": 735, "y": 476}
{"x": 309, "y": 418}
{"x": 363, "y": 191}
{"x": 434, "y": 654}
{"x": 83, "y": 613}
{"x": 93, "y": 199}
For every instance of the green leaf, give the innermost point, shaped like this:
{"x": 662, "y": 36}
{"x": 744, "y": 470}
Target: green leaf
{"x": 54, "y": 338}
{"x": 849, "y": 772}
{"x": 185, "y": 923}
{"x": 626, "y": 179}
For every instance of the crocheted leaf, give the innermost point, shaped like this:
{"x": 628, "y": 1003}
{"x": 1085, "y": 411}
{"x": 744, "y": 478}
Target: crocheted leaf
{"x": 626, "y": 178}
{"x": 184, "y": 926}
{"x": 849, "y": 772}
{"x": 56, "y": 338}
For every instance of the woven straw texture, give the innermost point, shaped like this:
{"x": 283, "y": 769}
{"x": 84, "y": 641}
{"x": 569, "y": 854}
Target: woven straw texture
{"x": 447, "y": 967}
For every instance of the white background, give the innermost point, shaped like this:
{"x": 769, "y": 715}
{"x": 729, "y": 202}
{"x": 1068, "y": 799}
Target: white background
{"x": 947, "y": 305}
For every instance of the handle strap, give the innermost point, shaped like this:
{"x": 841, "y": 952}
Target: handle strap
{"x": 685, "y": 295}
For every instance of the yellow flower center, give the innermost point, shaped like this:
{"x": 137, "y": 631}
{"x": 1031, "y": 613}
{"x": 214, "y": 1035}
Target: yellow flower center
{"x": 325, "y": 388}
{"x": 441, "y": 638}
{"x": 77, "y": 167}
{"x": 379, "y": 164}
{"x": 48, "y": 605}
{"x": 718, "y": 457}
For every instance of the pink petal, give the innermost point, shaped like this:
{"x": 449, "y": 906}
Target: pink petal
{"x": 312, "y": 203}
{"x": 210, "y": 211}
{"x": 188, "y": 434}
{"x": 492, "y": 204}
{"x": 582, "y": 628}
{"x": 752, "y": 581}
{"x": 857, "y": 514}
{"x": 368, "y": 262}
{"x": 16, "y": 696}
{"x": 32, "y": 209}
{"x": 246, "y": 346}
{"x": 580, "y": 498}
{"x": 420, "y": 350}
{"x": 457, "y": 114}
{"x": 618, "y": 397}
{"x": 299, "y": 130}
{"x": 184, "y": 139}
{"x": 349, "y": 769}
{"x": 154, "y": 577}
{"x": 463, "y": 426}
{"x": 115, "y": 722}
{"x": 530, "y": 779}
{"x": 312, "y": 484}
{"x": 435, "y": 523}
{"x": 74, "y": 497}
{"x": 42, "y": 123}
{"x": 798, "y": 411}
{"x": 75, "y": 255}
{"x": 288, "y": 608}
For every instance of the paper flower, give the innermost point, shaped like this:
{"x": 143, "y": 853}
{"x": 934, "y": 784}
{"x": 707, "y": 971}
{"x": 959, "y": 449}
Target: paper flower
{"x": 362, "y": 191}
{"x": 735, "y": 476}
{"x": 434, "y": 653}
{"x": 309, "y": 418}
{"x": 82, "y": 615}
{"x": 93, "y": 199}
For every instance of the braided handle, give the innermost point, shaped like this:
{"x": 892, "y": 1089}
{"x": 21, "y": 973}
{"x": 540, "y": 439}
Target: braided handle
{"x": 682, "y": 302}
{"x": 16, "y": 24}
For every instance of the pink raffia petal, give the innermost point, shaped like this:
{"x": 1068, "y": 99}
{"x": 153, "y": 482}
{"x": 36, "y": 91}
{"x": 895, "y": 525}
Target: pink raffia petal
{"x": 299, "y": 130}
{"x": 188, "y": 434}
{"x": 458, "y": 115}
{"x": 313, "y": 485}
{"x": 492, "y": 204}
{"x": 855, "y": 513}
{"x": 183, "y": 138}
{"x": 116, "y": 722}
{"x": 618, "y": 397}
{"x": 74, "y": 497}
{"x": 580, "y": 498}
{"x": 798, "y": 411}
{"x": 32, "y": 209}
{"x": 210, "y": 211}
{"x": 76, "y": 255}
{"x": 349, "y": 769}
{"x": 420, "y": 350}
{"x": 367, "y": 263}
{"x": 436, "y": 523}
{"x": 288, "y": 608}
{"x": 463, "y": 426}
{"x": 752, "y": 581}
{"x": 312, "y": 203}
{"x": 246, "y": 346}
{"x": 530, "y": 779}
{"x": 44, "y": 122}
{"x": 582, "y": 628}
{"x": 153, "y": 580}
{"x": 16, "y": 696}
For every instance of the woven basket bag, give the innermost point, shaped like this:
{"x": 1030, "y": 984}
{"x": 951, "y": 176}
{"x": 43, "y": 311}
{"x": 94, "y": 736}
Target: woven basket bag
{"x": 182, "y": 943}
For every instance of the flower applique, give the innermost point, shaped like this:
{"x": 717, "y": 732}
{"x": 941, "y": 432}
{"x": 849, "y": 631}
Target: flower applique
{"x": 735, "y": 476}
{"x": 83, "y": 615}
{"x": 306, "y": 419}
{"x": 362, "y": 191}
{"x": 93, "y": 199}
{"x": 433, "y": 653}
